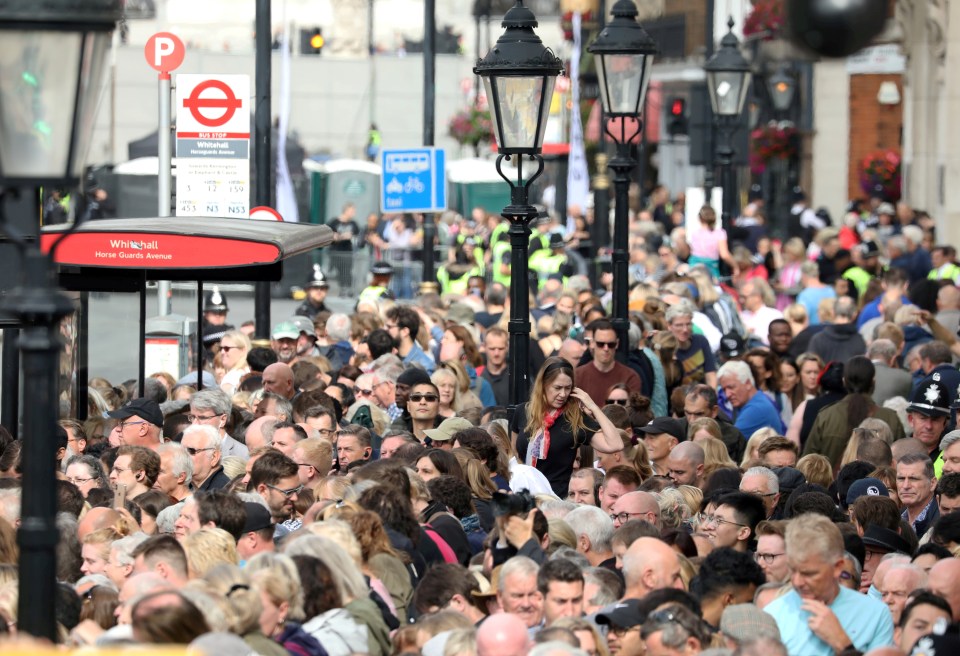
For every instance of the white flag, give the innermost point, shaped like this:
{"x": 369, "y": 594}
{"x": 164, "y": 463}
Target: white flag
{"x": 286, "y": 197}
{"x": 578, "y": 179}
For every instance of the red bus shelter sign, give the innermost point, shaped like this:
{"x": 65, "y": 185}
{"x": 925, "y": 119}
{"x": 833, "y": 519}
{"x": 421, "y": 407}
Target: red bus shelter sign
{"x": 158, "y": 251}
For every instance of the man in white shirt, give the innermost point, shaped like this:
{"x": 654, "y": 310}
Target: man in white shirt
{"x": 756, "y": 314}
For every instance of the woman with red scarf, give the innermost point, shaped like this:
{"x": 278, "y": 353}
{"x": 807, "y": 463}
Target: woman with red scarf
{"x": 559, "y": 419}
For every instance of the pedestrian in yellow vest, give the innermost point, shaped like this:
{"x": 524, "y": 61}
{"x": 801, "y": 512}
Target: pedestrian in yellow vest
{"x": 554, "y": 261}
{"x": 454, "y": 276}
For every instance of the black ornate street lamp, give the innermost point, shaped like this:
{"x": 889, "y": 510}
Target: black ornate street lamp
{"x": 51, "y": 62}
{"x": 781, "y": 86}
{"x": 518, "y": 74}
{"x": 728, "y": 80}
{"x": 624, "y": 57}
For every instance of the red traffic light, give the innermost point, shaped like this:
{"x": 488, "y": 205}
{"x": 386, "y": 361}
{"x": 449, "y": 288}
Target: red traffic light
{"x": 678, "y": 107}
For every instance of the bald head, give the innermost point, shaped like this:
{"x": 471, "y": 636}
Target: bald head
{"x": 255, "y": 437}
{"x": 943, "y": 581}
{"x": 571, "y": 350}
{"x": 95, "y": 519}
{"x": 948, "y": 298}
{"x": 503, "y": 634}
{"x": 907, "y": 445}
{"x": 636, "y": 505}
{"x": 278, "y": 378}
{"x": 685, "y": 464}
{"x": 648, "y": 565}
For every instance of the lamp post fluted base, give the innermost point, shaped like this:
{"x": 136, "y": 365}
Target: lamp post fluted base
{"x": 39, "y": 306}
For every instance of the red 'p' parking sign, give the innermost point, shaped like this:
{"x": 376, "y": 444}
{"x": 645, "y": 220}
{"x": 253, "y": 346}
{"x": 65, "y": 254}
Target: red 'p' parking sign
{"x": 164, "y": 52}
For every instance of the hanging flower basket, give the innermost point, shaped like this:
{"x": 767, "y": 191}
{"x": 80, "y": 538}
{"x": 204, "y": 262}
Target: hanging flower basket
{"x": 880, "y": 171}
{"x": 770, "y": 142}
{"x": 765, "y": 21}
{"x": 471, "y": 127}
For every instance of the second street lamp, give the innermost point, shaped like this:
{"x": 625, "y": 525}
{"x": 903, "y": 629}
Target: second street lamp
{"x": 728, "y": 80}
{"x": 624, "y": 55}
{"x": 781, "y": 86}
{"x": 519, "y": 73}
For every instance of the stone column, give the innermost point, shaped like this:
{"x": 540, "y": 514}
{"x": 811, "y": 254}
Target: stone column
{"x": 831, "y": 140}
{"x": 947, "y": 18}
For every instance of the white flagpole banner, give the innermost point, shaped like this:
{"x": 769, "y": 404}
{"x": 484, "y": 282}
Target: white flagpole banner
{"x": 578, "y": 179}
{"x": 286, "y": 197}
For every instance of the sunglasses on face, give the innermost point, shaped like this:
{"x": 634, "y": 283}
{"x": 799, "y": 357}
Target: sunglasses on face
{"x": 429, "y": 398}
{"x": 605, "y": 345}
{"x": 617, "y": 401}
{"x": 357, "y": 391}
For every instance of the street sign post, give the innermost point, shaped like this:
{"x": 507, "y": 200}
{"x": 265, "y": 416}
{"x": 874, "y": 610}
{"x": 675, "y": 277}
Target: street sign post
{"x": 413, "y": 180}
{"x": 164, "y": 52}
{"x": 213, "y": 145}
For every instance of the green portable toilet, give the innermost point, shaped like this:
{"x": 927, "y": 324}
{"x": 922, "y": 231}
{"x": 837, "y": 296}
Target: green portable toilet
{"x": 476, "y": 183}
{"x": 335, "y": 182}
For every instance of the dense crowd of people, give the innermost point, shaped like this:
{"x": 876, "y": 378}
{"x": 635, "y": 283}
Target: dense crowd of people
{"x": 774, "y": 468}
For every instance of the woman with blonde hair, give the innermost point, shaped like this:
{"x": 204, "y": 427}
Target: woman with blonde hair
{"x": 96, "y": 549}
{"x": 449, "y": 390}
{"x": 693, "y": 497}
{"x": 716, "y": 455}
{"x": 556, "y": 421}
{"x": 673, "y": 508}
{"x": 816, "y": 469}
{"x": 702, "y": 428}
{"x": 467, "y": 396}
{"x": 243, "y": 607}
{"x": 751, "y": 454}
{"x": 208, "y": 548}
{"x": 275, "y": 578}
{"x": 234, "y": 347}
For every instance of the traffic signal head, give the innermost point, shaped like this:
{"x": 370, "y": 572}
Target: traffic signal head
{"x": 677, "y": 123}
{"x": 311, "y": 41}
{"x": 678, "y": 107}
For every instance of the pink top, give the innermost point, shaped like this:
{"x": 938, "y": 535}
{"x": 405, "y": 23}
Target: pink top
{"x": 706, "y": 243}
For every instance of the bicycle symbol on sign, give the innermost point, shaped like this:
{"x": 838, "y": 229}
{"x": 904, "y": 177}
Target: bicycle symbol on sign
{"x": 414, "y": 186}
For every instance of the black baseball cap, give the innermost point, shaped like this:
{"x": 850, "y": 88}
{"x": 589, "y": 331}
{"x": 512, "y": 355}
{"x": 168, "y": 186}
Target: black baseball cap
{"x": 623, "y": 614}
{"x": 258, "y": 517}
{"x": 146, "y": 409}
{"x": 667, "y": 425}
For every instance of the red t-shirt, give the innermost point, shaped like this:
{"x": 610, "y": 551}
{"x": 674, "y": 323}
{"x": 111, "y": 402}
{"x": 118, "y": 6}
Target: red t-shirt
{"x": 596, "y": 383}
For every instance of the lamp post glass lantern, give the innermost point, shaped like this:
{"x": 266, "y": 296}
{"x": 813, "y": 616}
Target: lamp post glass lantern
{"x": 51, "y": 65}
{"x": 624, "y": 55}
{"x": 518, "y": 74}
{"x": 728, "y": 76}
{"x": 728, "y": 81}
{"x": 781, "y": 86}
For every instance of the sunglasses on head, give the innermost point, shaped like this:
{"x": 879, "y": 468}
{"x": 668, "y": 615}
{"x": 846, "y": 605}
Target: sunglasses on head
{"x": 429, "y": 398}
{"x": 617, "y": 401}
{"x": 601, "y": 345}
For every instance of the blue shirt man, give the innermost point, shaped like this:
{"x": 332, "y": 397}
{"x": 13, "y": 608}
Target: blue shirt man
{"x": 751, "y": 407}
{"x": 819, "y": 617}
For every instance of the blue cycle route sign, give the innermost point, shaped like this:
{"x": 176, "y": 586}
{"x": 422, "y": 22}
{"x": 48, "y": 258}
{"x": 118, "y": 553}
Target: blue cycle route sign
{"x": 413, "y": 180}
